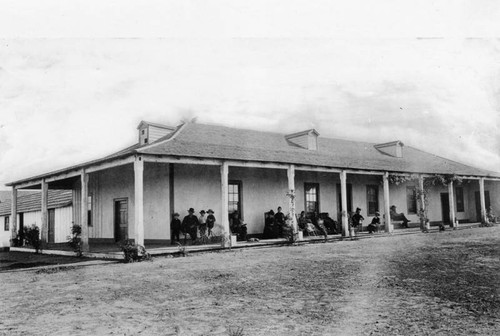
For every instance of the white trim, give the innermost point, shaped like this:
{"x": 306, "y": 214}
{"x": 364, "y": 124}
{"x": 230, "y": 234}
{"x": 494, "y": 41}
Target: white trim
{"x": 201, "y": 161}
{"x": 109, "y": 165}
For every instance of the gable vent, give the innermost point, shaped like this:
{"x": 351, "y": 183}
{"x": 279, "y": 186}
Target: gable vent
{"x": 394, "y": 148}
{"x": 150, "y": 132}
{"x": 305, "y": 139}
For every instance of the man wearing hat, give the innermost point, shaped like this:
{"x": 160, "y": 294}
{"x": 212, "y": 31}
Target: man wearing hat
{"x": 175, "y": 226}
{"x": 190, "y": 224}
{"x": 210, "y": 221}
{"x": 395, "y": 216}
{"x": 202, "y": 220}
{"x": 357, "y": 220}
{"x": 374, "y": 225}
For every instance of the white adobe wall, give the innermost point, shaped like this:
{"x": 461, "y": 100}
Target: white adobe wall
{"x": 4, "y": 235}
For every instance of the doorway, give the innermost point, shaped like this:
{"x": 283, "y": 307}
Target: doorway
{"x": 52, "y": 225}
{"x": 478, "y": 204}
{"x": 21, "y": 229}
{"x": 445, "y": 208}
{"x": 121, "y": 219}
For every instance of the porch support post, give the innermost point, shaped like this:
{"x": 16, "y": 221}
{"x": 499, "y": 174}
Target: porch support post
{"x": 387, "y": 210}
{"x": 224, "y": 182}
{"x": 291, "y": 190}
{"x": 451, "y": 200}
{"x": 13, "y": 213}
{"x": 343, "y": 196}
{"x": 139, "y": 201}
{"x": 421, "y": 188}
{"x": 483, "y": 200}
{"x": 45, "y": 216}
{"x": 84, "y": 177}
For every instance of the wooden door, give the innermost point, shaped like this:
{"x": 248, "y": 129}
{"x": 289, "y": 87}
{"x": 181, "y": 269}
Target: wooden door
{"x": 478, "y": 204}
{"x": 445, "y": 208}
{"x": 21, "y": 229}
{"x": 52, "y": 225}
{"x": 121, "y": 219}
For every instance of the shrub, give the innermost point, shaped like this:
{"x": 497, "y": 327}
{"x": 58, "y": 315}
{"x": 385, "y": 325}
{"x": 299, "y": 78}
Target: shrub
{"x": 74, "y": 241}
{"x": 133, "y": 252}
{"x": 32, "y": 237}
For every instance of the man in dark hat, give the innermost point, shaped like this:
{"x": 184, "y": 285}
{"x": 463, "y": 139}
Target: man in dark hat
{"x": 357, "y": 220}
{"x": 210, "y": 221}
{"x": 190, "y": 224}
{"x": 175, "y": 226}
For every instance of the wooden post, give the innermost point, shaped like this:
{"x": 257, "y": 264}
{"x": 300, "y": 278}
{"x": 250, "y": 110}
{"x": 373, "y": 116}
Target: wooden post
{"x": 483, "y": 200}
{"x": 387, "y": 209}
{"x": 343, "y": 196}
{"x": 423, "y": 224}
{"x": 13, "y": 214}
{"x": 224, "y": 182}
{"x": 84, "y": 178}
{"x": 291, "y": 190}
{"x": 139, "y": 200}
{"x": 45, "y": 215}
{"x": 451, "y": 201}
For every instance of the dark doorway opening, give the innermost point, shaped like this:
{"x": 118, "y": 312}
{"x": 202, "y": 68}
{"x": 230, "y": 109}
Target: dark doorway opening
{"x": 52, "y": 225}
{"x": 121, "y": 219}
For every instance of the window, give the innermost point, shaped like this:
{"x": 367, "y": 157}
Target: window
{"x": 234, "y": 197}
{"x": 411, "y": 200}
{"x": 6, "y": 223}
{"x": 89, "y": 210}
{"x": 459, "y": 195}
{"x": 311, "y": 196}
{"x": 371, "y": 199}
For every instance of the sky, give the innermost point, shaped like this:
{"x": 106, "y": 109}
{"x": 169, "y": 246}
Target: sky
{"x": 76, "y": 78}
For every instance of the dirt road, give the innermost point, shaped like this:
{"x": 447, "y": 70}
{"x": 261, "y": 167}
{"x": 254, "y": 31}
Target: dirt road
{"x": 435, "y": 284}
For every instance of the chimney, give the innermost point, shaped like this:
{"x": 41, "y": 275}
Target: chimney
{"x": 305, "y": 139}
{"x": 394, "y": 148}
{"x": 150, "y": 132}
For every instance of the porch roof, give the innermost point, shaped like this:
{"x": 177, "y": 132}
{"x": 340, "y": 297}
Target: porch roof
{"x": 202, "y": 141}
{"x": 33, "y": 201}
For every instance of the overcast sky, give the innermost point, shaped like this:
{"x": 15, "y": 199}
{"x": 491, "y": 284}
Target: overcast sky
{"x": 77, "y": 77}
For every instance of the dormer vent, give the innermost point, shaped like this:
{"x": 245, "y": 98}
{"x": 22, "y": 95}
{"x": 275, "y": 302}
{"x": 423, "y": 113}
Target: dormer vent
{"x": 305, "y": 139}
{"x": 150, "y": 132}
{"x": 393, "y": 148}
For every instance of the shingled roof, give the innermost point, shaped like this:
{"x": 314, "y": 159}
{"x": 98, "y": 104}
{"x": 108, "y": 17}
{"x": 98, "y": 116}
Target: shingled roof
{"x": 204, "y": 141}
{"x": 220, "y": 142}
{"x": 33, "y": 201}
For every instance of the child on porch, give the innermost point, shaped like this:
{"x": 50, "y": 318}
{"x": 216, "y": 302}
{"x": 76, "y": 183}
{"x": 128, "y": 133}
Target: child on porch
{"x": 175, "y": 226}
{"x": 203, "y": 223}
{"x": 374, "y": 225}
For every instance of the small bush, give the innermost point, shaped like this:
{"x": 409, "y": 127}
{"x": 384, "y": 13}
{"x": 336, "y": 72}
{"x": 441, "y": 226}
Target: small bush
{"x": 74, "y": 241}
{"x": 32, "y": 237}
{"x": 133, "y": 252}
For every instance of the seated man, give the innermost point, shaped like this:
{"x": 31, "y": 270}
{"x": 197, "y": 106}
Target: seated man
{"x": 399, "y": 216}
{"x": 374, "y": 225}
{"x": 357, "y": 220}
{"x": 303, "y": 220}
{"x": 330, "y": 224}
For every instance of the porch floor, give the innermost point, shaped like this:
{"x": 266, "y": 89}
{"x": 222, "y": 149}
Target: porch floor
{"x": 106, "y": 251}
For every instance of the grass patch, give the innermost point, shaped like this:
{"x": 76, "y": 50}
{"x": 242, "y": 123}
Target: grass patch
{"x": 465, "y": 273}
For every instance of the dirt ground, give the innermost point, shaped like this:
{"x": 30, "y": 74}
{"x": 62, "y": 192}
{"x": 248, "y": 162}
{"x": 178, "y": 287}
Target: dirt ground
{"x": 425, "y": 284}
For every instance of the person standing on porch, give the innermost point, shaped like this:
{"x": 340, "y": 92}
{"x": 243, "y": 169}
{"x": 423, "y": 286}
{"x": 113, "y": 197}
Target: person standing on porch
{"x": 279, "y": 218}
{"x": 210, "y": 221}
{"x": 202, "y": 223}
{"x": 357, "y": 220}
{"x": 190, "y": 224}
{"x": 399, "y": 216}
{"x": 175, "y": 226}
